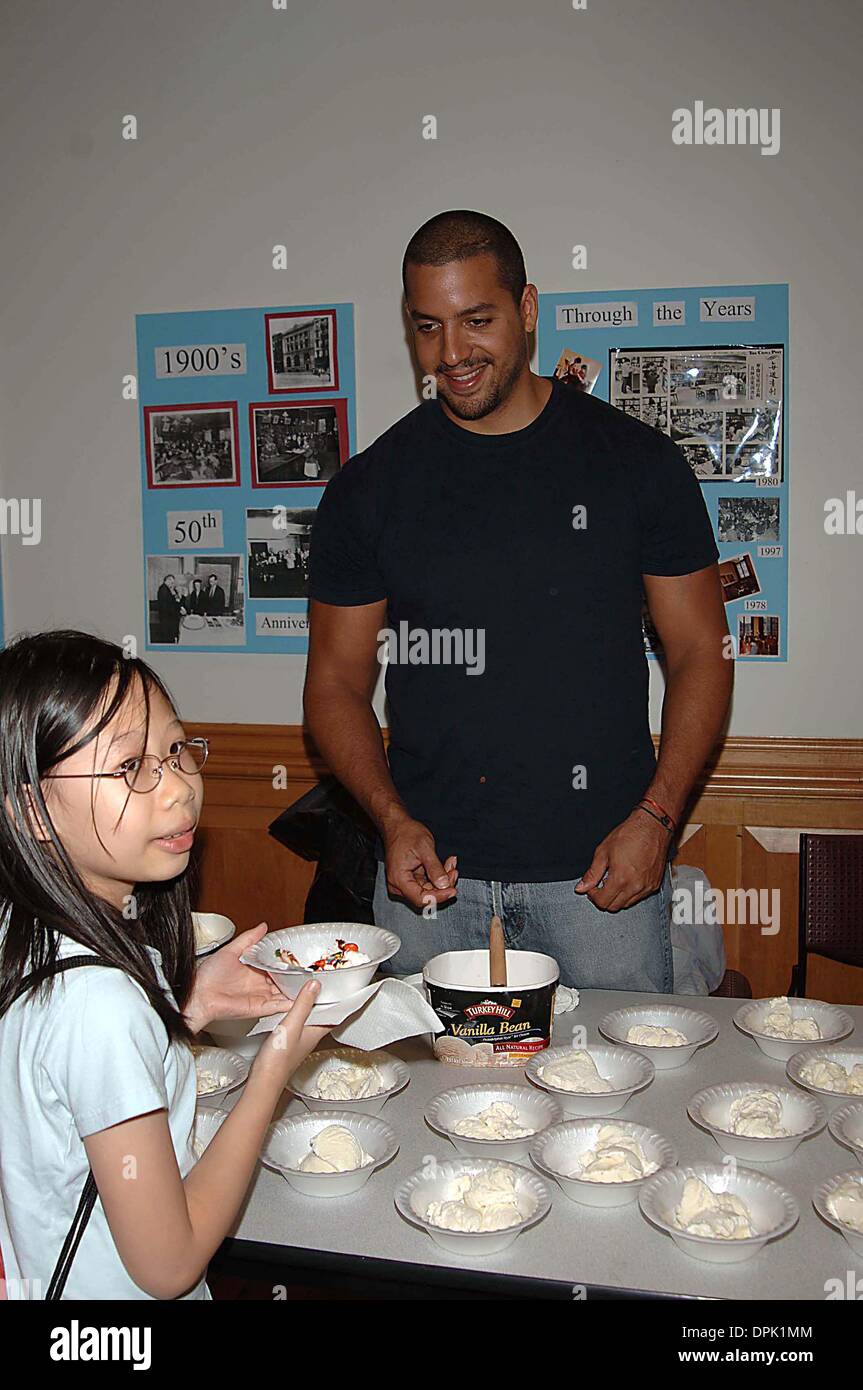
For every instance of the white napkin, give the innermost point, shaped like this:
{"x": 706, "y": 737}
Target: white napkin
{"x": 382, "y": 1013}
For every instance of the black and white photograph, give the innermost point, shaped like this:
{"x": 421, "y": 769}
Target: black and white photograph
{"x": 301, "y": 445}
{"x": 278, "y": 541}
{"x": 752, "y": 461}
{"x": 758, "y": 424}
{"x": 705, "y": 460}
{"x": 630, "y": 405}
{"x": 192, "y": 445}
{"x": 654, "y": 411}
{"x": 654, "y": 375}
{"x": 626, "y": 377}
{"x": 707, "y": 378}
{"x": 695, "y": 424}
{"x": 749, "y": 519}
{"x": 301, "y": 351}
{"x": 196, "y": 600}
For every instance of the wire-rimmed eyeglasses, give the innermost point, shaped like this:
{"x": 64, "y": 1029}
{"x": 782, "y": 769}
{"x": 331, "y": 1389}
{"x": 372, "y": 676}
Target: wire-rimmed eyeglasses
{"x": 144, "y": 774}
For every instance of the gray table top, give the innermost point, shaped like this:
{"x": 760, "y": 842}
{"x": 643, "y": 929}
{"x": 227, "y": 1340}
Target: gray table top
{"x": 576, "y": 1245}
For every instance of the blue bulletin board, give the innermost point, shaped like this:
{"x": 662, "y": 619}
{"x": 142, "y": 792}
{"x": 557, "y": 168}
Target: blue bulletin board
{"x": 707, "y": 365}
{"x": 245, "y": 415}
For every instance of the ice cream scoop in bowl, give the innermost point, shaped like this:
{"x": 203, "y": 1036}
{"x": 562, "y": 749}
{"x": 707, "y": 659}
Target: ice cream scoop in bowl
{"x": 757, "y": 1121}
{"x": 601, "y": 1162}
{"x": 492, "y": 1121}
{"x": 769, "y": 1021}
{"x": 348, "y": 1078}
{"x": 473, "y": 1206}
{"x": 703, "y": 1205}
{"x": 597, "y": 1079}
{"x": 339, "y": 1148}
{"x": 669, "y": 1035}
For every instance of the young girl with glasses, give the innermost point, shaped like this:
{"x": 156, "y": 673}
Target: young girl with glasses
{"x": 100, "y": 795}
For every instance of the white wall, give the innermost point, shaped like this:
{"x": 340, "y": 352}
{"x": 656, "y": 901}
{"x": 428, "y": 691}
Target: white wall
{"x": 259, "y": 127}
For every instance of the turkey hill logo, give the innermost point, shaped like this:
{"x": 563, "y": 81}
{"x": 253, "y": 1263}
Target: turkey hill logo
{"x": 488, "y": 1008}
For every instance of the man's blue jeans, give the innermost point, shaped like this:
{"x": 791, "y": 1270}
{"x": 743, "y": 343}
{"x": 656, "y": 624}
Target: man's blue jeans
{"x": 630, "y": 949}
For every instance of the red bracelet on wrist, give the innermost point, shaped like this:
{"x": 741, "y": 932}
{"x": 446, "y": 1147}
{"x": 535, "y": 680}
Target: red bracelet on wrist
{"x": 659, "y": 813}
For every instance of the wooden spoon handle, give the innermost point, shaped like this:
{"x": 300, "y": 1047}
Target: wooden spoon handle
{"x": 496, "y": 953}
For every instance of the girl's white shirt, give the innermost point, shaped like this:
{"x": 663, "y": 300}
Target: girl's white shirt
{"x": 94, "y": 1054}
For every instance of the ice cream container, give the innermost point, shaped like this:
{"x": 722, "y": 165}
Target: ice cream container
{"x": 491, "y": 1025}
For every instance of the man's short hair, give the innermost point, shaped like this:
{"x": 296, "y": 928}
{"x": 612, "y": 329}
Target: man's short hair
{"x": 459, "y": 234}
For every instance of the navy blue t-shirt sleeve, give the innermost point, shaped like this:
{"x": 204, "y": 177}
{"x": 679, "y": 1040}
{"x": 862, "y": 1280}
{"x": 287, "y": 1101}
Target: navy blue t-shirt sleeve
{"x": 676, "y": 534}
{"x": 343, "y": 566}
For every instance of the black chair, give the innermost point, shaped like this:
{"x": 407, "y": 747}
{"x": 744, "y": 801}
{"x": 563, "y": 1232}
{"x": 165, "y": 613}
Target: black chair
{"x": 831, "y": 903}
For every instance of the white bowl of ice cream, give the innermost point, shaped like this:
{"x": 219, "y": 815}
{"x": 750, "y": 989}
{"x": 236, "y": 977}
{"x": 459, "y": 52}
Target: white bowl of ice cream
{"x": 839, "y": 1201}
{"x": 846, "y": 1126}
{"x": 756, "y": 1120}
{"x": 208, "y": 1119}
{"x": 218, "y": 1071}
{"x": 597, "y": 1079}
{"x": 668, "y": 1035}
{"x": 780, "y": 1025}
{"x": 716, "y": 1213}
{"x": 330, "y": 1153}
{"x": 601, "y": 1162}
{"x": 292, "y": 954}
{"x": 348, "y": 1078}
{"x": 473, "y": 1206}
{"x": 492, "y": 1121}
{"x": 833, "y": 1074}
{"x": 212, "y": 930}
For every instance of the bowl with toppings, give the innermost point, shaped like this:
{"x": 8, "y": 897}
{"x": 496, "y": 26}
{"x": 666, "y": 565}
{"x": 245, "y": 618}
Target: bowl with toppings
{"x": 594, "y": 1080}
{"x": 779, "y": 1025}
{"x": 350, "y": 1079}
{"x": 208, "y": 1119}
{"x": 830, "y": 1073}
{"x": 669, "y": 1036}
{"x": 601, "y": 1162}
{"x": 330, "y": 1153}
{"x": 718, "y": 1214}
{"x": 846, "y": 1126}
{"x": 839, "y": 1201}
{"x": 492, "y": 1121}
{"x": 473, "y": 1206}
{"x": 218, "y": 1071}
{"x": 342, "y": 956}
{"x": 754, "y": 1121}
{"x": 212, "y": 930}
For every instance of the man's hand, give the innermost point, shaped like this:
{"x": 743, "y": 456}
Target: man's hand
{"x": 414, "y": 871}
{"x": 225, "y": 988}
{"x": 632, "y": 859}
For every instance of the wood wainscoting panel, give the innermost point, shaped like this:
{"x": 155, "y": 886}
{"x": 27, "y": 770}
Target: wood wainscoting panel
{"x": 746, "y": 814}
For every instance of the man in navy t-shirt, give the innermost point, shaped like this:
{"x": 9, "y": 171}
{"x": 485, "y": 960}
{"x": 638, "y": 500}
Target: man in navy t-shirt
{"x": 493, "y": 548}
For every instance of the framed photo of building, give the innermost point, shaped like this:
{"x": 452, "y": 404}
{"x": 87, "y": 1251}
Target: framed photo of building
{"x": 302, "y": 352}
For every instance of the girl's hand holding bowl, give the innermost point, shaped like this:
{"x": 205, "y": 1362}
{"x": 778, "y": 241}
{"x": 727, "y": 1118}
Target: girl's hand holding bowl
{"x": 293, "y": 1039}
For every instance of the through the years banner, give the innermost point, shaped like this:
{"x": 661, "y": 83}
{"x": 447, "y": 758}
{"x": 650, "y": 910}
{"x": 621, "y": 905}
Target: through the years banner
{"x": 245, "y": 415}
{"x": 708, "y": 367}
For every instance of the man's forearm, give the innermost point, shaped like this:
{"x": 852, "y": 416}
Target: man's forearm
{"x": 693, "y": 713}
{"x": 348, "y": 737}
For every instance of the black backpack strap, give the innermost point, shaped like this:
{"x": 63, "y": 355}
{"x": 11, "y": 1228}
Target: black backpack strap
{"x": 90, "y": 1192}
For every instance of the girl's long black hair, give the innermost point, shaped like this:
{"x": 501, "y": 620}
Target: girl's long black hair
{"x": 51, "y": 684}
